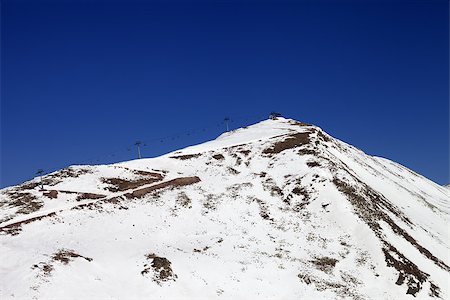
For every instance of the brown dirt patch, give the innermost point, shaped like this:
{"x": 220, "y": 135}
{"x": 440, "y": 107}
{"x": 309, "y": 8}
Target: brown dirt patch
{"x": 343, "y": 290}
{"x": 89, "y": 206}
{"x": 307, "y": 152}
{"x": 325, "y": 263}
{"x": 270, "y": 185}
{"x": 322, "y": 136}
{"x": 233, "y": 171}
{"x": 45, "y": 268}
{"x": 84, "y": 196}
{"x": 146, "y": 173}
{"x": 97, "y": 204}
{"x": 211, "y": 202}
{"x": 53, "y": 179}
{"x": 187, "y": 156}
{"x": 120, "y": 185}
{"x": 408, "y": 271}
{"x": 218, "y": 156}
{"x": 299, "y": 190}
{"x": 263, "y": 210}
{"x": 171, "y": 183}
{"x": 312, "y": 164}
{"x": 53, "y": 194}
{"x": 183, "y": 200}
{"x": 161, "y": 266}
{"x": 26, "y": 202}
{"x": 245, "y": 152}
{"x": 57, "y": 177}
{"x": 65, "y": 256}
{"x": 434, "y": 290}
{"x": 291, "y": 141}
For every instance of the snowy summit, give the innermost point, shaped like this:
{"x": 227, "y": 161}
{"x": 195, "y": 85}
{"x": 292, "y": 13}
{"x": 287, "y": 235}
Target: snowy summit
{"x": 276, "y": 210}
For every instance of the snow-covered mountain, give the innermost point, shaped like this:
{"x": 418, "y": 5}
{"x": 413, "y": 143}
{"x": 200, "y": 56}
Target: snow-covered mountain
{"x": 276, "y": 210}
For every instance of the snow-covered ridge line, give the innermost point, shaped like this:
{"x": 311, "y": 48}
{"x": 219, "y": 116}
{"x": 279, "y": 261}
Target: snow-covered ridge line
{"x": 280, "y": 208}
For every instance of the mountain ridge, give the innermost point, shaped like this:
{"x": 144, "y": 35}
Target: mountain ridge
{"x": 313, "y": 194}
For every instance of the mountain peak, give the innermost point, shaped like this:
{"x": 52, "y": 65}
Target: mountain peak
{"x": 273, "y": 205}
{"x": 256, "y": 133}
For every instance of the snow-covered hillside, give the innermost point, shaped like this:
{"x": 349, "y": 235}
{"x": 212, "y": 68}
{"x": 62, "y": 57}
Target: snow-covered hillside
{"x": 276, "y": 210}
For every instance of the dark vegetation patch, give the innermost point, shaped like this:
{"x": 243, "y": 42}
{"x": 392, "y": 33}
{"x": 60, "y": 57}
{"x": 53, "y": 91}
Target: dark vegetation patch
{"x": 343, "y": 290}
{"x": 322, "y": 136}
{"x": 408, "y": 271}
{"x": 325, "y": 205}
{"x": 147, "y": 173}
{"x": 84, "y": 196}
{"x": 237, "y": 158}
{"x": 245, "y": 152}
{"x": 305, "y": 278}
{"x": 24, "y": 201}
{"x": 211, "y": 201}
{"x": 30, "y": 185}
{"x": 119, "y": 185}
{"x": 232, "y": 171}
{"x": 161, "y": 267}
{"x": 235, "y": 190}
{"x": 55, "y": 178}
{"x": 270, "y": 185}
{"x": 204, "y": 249}
{"x": 177, "y": 182}
{"x": 263, "y": 210}
{"x": 312, "y": 164}
{"x": 11, "y": 230}
{"x": 305, "y": 151}
{"x": 89, "y": 206}
{"x": 218, "y": 156}
{"x": 325, "y": 263}
{"x": 434, "y": 290}
{"x": 16, "y": 228}
{"x": 7, "y": 218}
{"x": 45, "y": 268}
{"x": 348, "y": 278}
{"x": 113, "y": 200}
{"x": 65, "y": 256}
{"x": 291, "y": 141}
{"x": 187, "y": 156}
{"x": 300, "y": 190}
{"x": 70, "y": 172}
{"x": 183, "y": 200}
{"x": 97, "y": 205}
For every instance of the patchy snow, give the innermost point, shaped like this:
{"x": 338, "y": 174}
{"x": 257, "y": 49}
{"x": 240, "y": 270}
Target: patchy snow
{"x": 282, "y": 211}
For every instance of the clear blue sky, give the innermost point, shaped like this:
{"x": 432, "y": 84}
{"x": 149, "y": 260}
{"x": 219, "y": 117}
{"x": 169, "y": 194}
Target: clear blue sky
{"x": 81, "y": 81}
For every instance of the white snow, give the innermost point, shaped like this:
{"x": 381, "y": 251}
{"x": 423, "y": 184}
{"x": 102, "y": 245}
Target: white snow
{"x": 237, "y": 237}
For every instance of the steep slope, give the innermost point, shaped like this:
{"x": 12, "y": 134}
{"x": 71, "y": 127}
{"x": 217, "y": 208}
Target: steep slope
{"x": 276, "y": 210}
